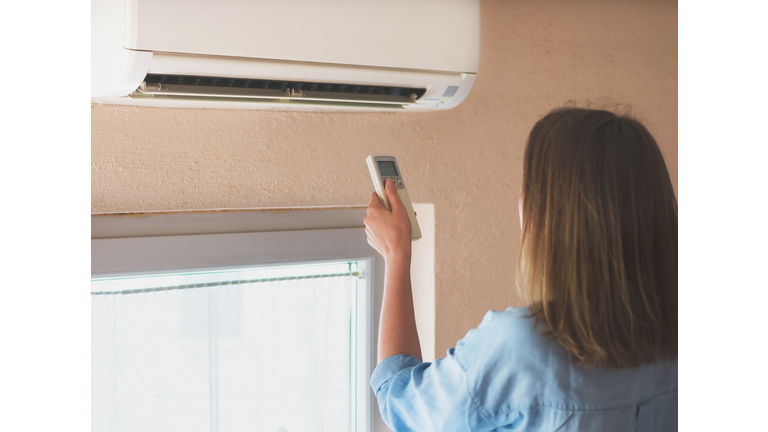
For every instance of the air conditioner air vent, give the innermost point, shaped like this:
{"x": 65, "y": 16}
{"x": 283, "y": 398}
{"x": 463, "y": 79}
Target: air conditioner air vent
{"x": 282, "y": 90}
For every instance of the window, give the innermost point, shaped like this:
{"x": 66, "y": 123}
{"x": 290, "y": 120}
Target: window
{"x": 229, "y": 350}
{"x": 238, "y": 321}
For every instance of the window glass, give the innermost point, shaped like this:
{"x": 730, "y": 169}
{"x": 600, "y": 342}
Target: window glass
{"x": 257, "y": 349}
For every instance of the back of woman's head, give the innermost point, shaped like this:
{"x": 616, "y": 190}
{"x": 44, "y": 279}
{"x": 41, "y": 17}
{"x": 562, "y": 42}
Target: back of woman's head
{"x": 598, "y": 262}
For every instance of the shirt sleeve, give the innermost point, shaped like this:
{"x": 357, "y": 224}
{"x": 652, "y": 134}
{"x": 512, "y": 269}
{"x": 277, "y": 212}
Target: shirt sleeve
{"x": 416, "y": 396}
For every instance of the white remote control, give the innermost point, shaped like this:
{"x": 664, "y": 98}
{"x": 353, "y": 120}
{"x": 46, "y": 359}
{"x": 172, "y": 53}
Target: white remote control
{"x": 383, "y": 168}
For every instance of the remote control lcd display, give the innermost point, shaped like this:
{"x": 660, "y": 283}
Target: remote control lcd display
{"x": 387, "y": 169}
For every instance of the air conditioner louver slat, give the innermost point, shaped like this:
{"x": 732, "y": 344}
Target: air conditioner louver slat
{"x": 287, "y": 91}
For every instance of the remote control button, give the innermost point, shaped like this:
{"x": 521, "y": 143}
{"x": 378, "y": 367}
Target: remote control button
{"x": 400, "y": 184}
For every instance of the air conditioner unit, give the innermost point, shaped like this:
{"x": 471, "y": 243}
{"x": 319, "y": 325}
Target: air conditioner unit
{"x": 359, "y": 55}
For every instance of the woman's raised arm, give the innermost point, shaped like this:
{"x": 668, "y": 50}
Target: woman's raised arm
{"x": 389, "y": 232}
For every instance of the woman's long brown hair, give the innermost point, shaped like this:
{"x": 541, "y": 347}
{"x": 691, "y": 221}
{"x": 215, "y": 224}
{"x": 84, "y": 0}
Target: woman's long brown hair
{"x": 598, "y": 261}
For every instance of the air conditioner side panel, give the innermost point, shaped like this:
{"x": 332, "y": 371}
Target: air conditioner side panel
{"x": 115, "y": 71}
{"x": 437, "y": 35}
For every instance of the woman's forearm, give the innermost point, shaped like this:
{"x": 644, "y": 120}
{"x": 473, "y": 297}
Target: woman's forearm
{"x": 397, "y": 328}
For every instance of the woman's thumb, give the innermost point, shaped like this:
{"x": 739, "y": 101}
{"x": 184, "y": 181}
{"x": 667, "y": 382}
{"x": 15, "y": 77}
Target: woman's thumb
{"x": 394, "y": 197}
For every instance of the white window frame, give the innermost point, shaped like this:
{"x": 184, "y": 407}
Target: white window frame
{"x": 160, "y": 243}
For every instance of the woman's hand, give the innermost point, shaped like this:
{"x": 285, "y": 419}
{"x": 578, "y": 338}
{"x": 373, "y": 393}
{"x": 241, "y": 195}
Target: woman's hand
{"x": 389, "y": 231}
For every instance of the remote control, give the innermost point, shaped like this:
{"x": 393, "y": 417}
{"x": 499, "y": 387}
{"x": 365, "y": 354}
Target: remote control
{"x": 383, "y": 168}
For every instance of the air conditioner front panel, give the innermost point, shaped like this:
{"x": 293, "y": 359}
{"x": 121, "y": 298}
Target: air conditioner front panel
{"x": 430, "y": 35}
{"x": 403, "y": 66}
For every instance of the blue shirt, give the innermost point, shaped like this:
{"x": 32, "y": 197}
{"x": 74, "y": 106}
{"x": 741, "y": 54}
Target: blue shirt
{"x": 505, "y": 376}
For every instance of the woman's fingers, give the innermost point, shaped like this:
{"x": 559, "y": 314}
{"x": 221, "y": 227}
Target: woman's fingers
{"x": 375, "y": 202}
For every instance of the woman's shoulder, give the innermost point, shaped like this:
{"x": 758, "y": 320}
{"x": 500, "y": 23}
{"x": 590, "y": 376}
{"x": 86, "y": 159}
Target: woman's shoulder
{"x": 511, "y": 335}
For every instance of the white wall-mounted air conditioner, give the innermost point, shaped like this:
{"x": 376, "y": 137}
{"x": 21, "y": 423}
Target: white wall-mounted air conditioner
{"x": 411, "y": 55}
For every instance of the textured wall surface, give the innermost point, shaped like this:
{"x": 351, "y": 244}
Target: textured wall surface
{"x": 535, "y": 55}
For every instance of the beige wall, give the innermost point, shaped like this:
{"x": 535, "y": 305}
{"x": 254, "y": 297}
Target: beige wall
{"x": 535, "y": 55}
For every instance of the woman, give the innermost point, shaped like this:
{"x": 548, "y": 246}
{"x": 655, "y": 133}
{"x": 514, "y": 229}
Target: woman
{"x": 597, "y": 347}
